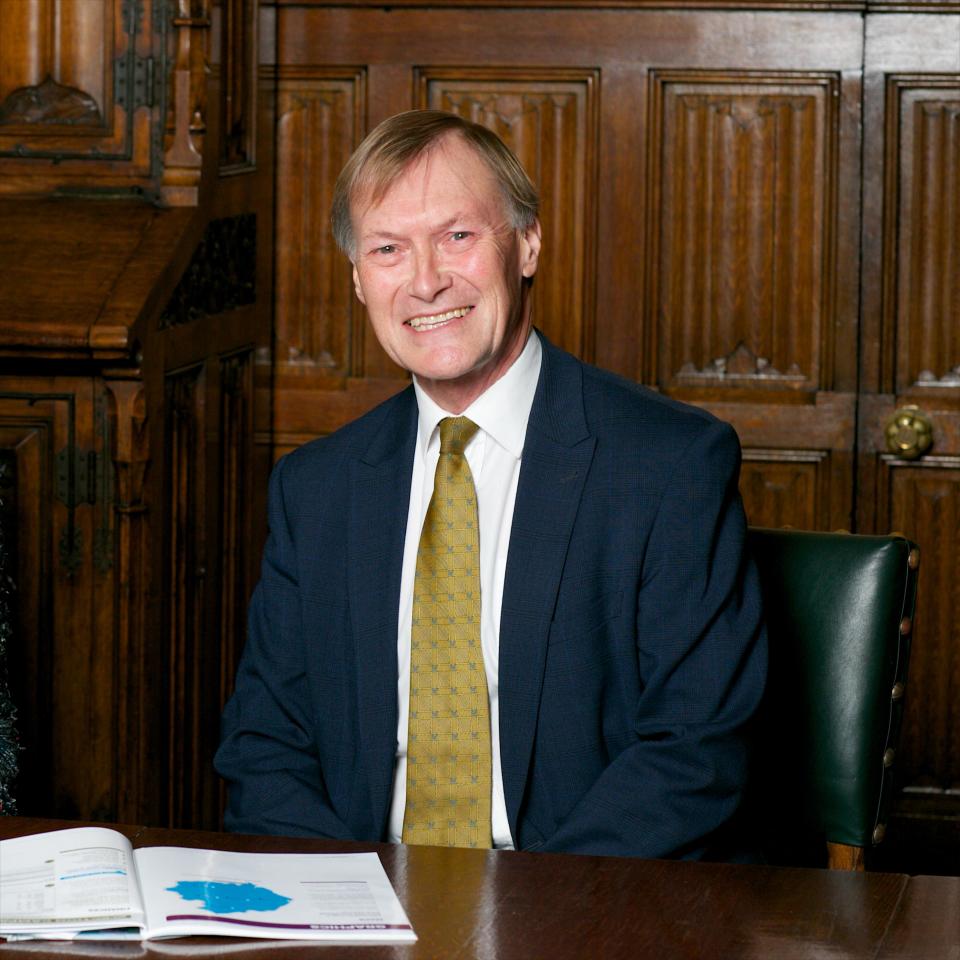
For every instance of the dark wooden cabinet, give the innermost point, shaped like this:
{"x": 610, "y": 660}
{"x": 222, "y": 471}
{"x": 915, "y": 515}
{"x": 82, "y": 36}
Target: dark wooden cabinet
{"x": 135, "y": 309}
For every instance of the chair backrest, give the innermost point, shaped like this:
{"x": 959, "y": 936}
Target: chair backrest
{"x": 839, "y": 611}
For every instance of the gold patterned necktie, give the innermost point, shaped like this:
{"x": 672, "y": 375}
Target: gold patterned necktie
{"x": 448, "y": 738}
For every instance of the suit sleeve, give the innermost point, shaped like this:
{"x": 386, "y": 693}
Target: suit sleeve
{"x": 267, "y": 753}
{"x": 701, "y": 650}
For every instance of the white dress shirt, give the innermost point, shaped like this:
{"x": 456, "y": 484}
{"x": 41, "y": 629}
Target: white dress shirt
{"x": 493, "y": 454}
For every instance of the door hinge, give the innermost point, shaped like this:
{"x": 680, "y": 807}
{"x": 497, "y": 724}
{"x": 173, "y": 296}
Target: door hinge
{"x": 79, "y": 485}
{"x": 134, "y": 82}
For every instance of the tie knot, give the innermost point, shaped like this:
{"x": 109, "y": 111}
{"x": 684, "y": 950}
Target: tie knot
{"x": 455, "y": 434}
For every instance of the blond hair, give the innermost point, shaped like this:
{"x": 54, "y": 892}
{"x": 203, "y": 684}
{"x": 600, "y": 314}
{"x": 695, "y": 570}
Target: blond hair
{"x": 398, "y": 142}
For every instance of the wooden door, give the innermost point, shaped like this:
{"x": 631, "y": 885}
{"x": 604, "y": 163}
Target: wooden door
{"x": 753, "y": 265}
{"x": 911, "y": 366}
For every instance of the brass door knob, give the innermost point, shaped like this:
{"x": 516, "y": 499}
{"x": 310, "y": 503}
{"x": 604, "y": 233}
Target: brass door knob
{"x": 909, "y": 433}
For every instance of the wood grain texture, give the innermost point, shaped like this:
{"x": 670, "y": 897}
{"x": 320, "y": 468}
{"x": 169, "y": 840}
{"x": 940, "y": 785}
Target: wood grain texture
{"x": 134, "y": 566}
{"x": 239, "y": 22}
{"x": 924, "y": 499}
{"x": 908, "y": 333}
{"x": 71, "y": 110}
{"x": 783, "y": 488}
{"x": 80, "y": 278}
{"x": 549, "y": 119}
{"x": 508, "y": 905}
{"x": 236, "y": 533}
{"x": 926, "y": 923}
{"x": 186, "y": 587}
{"x": 319, "y": 122}
{"x": 744, "y": 171}
{"x": 52, "y": 59}
{"x": 925, "y": 143}
{"x": 26, "y": 433}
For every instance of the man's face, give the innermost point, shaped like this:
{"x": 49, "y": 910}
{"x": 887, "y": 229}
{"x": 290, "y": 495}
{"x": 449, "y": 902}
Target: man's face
{"x": 440, "y": 270}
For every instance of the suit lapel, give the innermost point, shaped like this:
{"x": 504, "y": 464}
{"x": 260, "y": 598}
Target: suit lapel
{"x": 556, "y": 458}
{"x": 379, "y": 500}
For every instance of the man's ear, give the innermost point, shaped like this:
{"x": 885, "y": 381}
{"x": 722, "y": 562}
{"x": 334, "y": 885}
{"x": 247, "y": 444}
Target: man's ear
{"x": 530, "y": 248}
{"x": 356, "y": 285}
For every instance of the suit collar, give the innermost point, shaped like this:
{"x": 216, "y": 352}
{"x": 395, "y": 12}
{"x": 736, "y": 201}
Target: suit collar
{"x": 379, "y": 499}
{"x": 556, "y": 459}
{"x": 396, "y": 432}
{"x": 558, "y": 413}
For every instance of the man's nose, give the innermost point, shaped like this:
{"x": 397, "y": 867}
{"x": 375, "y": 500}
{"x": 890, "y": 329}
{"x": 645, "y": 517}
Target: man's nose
{"x": 429, "y": 278}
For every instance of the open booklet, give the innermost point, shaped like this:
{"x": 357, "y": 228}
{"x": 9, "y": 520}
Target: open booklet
{"x": 89, "y": 882}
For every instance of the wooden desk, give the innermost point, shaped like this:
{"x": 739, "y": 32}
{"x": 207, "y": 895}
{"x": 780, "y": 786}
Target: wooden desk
{"x": 927, "y": 923}
{"x": 499, "y": 905}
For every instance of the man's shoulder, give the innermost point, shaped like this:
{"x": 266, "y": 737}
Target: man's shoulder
{"x": 614, "y": 404}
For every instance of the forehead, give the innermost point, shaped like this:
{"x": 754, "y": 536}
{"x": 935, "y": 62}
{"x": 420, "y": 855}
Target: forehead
{"x": 448, "y": 180}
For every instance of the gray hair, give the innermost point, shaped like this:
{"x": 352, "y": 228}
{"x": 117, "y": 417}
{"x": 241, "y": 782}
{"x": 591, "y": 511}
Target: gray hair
{"x": 398, "y": 142}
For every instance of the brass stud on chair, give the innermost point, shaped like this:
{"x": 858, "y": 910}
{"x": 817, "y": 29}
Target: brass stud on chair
{"x": 897, "y": 692}
{"x": 879, "y": 832}
{"x": 888, "y": 757}
{"x": 906, "y": 625}
{"x": 913, "y": 559}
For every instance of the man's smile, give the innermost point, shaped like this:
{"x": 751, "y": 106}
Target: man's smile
{"x": 432, "y": 321}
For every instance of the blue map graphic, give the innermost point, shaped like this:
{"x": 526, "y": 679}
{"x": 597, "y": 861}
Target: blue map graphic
{"x": 218, "y": 897}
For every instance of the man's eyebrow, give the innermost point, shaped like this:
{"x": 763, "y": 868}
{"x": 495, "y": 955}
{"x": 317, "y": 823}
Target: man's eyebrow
{"x": 372, "y": 235}
{"x": 455, "y": 219}
{"x": 383, "y": 233}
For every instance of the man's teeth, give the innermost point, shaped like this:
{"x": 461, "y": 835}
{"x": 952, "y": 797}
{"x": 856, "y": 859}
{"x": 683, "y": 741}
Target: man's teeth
{"x": 425, "y": 323}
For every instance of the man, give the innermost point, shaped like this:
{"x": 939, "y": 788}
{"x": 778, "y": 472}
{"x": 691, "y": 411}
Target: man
{"x": 618, "y": 619}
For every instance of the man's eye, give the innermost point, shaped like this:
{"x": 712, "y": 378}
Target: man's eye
{"x": 387, "y": 248}
{"x": 460, "y": 234}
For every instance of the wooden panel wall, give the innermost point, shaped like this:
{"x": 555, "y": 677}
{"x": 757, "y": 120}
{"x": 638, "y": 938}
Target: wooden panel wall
{"x": 910, "y": 349}
{"x": 318, "y": 323}
{"x": 549, "y": 117}
{"x": 753, "y": 210}
{"x": 747, "y": 200}
{"x": 751, "y": 207}
{"x": 694, "y": 236}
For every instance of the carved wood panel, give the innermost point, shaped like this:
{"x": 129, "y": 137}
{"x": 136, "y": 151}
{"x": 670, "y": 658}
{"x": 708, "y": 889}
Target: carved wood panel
{"x": 743, "y": 181}
{"x": 30, "y": 444}
{"x": 923, "y": 501}
{"x": 56, "y": 58}
{"x": 236, "y": 532}
{"x": 81, "y": 89}
{"x": 319, "y": 327}
{"x": 238, "y": 84}
{"x": 113, "y": 94}
{"x": 186, "y": 587}
{"x": 549, "y": 119}
{"x": 210, "y": 530}
{"x": 925, "y": 313}
{"x": 63, "y": 669}
{"x": 910, "y": 348}
{"x": 785, "y": 488}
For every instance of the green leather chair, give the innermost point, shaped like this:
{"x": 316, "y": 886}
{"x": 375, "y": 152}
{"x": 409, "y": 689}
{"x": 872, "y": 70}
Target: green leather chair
{"x": 839, "y": 611}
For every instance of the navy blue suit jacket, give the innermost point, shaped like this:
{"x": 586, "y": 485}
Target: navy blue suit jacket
{"x": 631, "y": 649}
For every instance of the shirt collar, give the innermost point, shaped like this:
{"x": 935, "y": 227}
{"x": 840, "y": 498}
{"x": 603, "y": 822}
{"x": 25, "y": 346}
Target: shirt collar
{"x": 502, "y": 411}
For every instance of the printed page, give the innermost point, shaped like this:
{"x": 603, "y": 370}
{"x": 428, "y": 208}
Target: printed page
{"x": 342, "y": 897}
{"x": 68, "y": 880}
